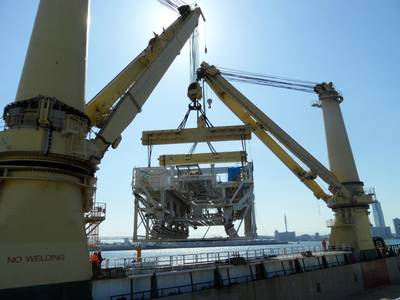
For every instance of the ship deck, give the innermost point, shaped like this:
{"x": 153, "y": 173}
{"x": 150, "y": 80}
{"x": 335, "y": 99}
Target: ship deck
{"x": 255, "y": 274}
{"x": 382, "y": 292}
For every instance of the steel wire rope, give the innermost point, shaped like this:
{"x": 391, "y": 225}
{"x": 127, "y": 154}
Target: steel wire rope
{"x": 265, "y": 75}
{"x": 172, "y": 4}
{"x": 268, "y": 80}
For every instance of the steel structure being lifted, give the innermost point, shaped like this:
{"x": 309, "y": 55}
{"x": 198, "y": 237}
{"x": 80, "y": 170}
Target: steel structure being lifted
{"x": 169, "y": 201}
{"x": 182, "y": 193}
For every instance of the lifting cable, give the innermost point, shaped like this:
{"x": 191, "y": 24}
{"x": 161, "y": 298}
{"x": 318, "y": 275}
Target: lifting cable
{"x": 268, "y": 80}
{"x": 172, "y": 4}
{"x": 194, "y": 55}
{"x": 200, "y": 115}
{"x": 149, "y": 152}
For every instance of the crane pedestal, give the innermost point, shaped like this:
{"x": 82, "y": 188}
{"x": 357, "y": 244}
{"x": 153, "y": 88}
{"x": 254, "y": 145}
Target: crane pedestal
{"x": 46, "y": 181}
{"x": 47, "y": 185}
{"x": 43, "y": 242}
{"x": 352, "y": 226}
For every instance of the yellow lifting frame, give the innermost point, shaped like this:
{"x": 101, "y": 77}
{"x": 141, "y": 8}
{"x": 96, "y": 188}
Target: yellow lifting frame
{"x": 202, "y": 158}
{"x": 196, "y": 135}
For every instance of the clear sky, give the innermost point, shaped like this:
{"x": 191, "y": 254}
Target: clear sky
{"x": 355, "y": 44}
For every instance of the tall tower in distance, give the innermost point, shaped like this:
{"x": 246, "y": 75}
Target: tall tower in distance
{"x": 378, "y": 214}
{"x": 396, "y": 224}
{"x": 380, "y": 229}
{"x": 379, "y": 220}
{"x": 285, "y": 223}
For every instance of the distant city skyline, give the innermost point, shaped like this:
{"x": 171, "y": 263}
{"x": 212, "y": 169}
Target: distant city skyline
{"x": 396, "y": 225}
{"x": 379, "y": 227}
{"x": 379, "y": 219}
{"x": 376, "y": 213}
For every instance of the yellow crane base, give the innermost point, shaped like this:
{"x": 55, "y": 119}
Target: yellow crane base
{"x": 352, "y": 228}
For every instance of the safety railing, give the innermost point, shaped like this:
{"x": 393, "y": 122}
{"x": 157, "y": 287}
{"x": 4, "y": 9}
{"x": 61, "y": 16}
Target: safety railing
{"x": 198, "y": 286}
{"x": 199, "y": 259}
{"x": 349, "y": 258}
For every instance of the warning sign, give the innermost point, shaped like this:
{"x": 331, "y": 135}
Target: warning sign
{"x": 35, "y": 258}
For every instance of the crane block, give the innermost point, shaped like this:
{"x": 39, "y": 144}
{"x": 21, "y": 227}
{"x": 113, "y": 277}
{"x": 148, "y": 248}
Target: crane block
{"x": 196, "y": 135}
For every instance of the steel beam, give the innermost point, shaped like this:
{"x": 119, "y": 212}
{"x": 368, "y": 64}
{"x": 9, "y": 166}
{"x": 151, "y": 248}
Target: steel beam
{"x": 193, "y": 135}
{"x": 202, "y": 158}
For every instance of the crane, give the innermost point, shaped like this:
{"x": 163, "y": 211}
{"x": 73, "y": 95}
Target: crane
{"x": 346, "y": 196}
{"x": 48, "y": 159}
{"x": 117, "y": 104}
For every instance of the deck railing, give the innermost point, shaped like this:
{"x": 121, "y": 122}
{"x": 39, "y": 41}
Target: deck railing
{"x": 199, "y": 259}
{"x": 348, "y": 258}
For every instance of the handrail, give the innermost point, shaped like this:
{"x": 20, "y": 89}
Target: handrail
{"x": 201, "y": 259}
{"x": 387, "y": 251}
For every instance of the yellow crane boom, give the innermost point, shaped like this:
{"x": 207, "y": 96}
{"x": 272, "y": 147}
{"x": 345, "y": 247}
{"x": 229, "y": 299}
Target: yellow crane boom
{"x": 114, "y": 107}
{"x": 263, "y": 127}
{"x": 100, "y": 106}
{"x": 349, "y": 204}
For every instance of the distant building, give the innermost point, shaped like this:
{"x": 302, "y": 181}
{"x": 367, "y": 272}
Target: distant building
{"x": 396, "y": 224}
{"x": 317, "y": 237}
{"x": 305, "y": 237}
{"x": 265, "y": 237}
{"x": 379, "y": 220}
{"x": 380, "y": 229}
{"x": 288, "y": 236}
{"x": 383, "y": 232}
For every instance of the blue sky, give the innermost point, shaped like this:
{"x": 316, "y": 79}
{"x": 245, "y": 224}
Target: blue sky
{"x": 355, "y": 44}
